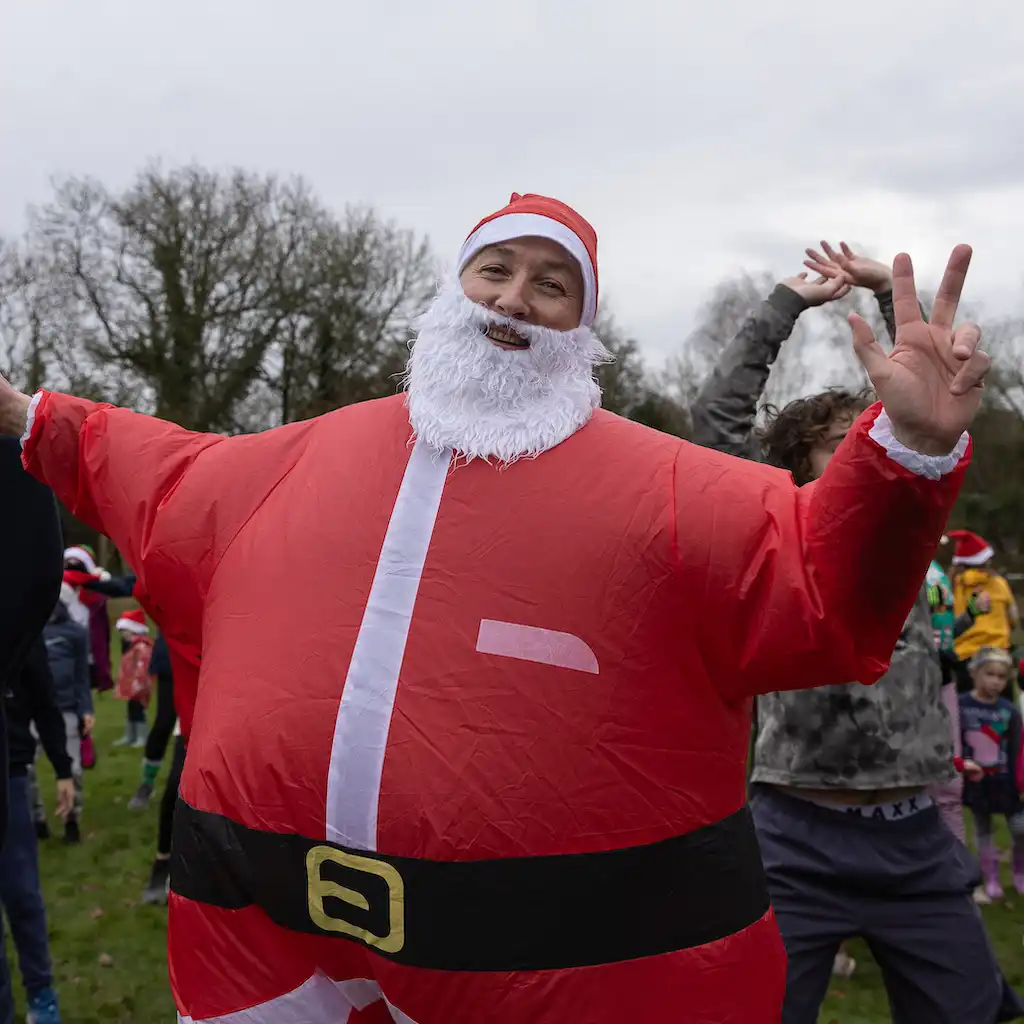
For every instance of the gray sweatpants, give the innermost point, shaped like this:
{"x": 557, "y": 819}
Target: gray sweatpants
{"x": 904, "y": 886}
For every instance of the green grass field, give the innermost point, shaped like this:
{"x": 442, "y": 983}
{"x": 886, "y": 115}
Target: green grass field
{"x": 108, "y": 949}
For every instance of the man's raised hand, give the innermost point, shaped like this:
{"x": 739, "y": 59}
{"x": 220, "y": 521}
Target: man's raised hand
{"x": 859, "y": 270}
{"x": 818, "y": 292}
{"x": 930, "y": 384}
{"x": 13, "y": 410}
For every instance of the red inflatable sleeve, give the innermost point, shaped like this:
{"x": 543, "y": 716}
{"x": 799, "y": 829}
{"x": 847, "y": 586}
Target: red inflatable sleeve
{"x": 807, "y": 586}
{"x": 170, "y": 499}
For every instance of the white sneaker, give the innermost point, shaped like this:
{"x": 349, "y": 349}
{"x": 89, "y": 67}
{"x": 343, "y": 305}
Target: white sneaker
{"x": 981, "y": 897}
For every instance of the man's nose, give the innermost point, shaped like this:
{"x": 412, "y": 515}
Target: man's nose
{"x": 511, "y": 301}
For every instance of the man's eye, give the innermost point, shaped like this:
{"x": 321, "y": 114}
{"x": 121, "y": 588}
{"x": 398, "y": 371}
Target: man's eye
{"x": 553, "y": 286}
{"x": 493, "y": 269}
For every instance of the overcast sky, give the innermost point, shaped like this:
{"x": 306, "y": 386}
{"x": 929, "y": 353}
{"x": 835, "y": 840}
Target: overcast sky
{"x": 699, "y": 138}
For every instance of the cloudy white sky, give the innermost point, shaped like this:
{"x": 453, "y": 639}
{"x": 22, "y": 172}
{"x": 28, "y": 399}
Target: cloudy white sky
{"x": 700, "y": 138}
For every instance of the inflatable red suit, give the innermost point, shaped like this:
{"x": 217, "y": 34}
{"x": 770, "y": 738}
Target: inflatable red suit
{"x": 468, "y": 737}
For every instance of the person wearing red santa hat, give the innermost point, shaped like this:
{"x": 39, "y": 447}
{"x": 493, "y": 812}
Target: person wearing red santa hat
{"x": 81, "y": 569}
{"x": 134, "y": 682}
{"x": 491, "y": 766}
{"x": 971, "y": 578}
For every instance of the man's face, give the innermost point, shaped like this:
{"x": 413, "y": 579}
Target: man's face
{"x": 529, "y": 279}
{"x": 825, "y": 447}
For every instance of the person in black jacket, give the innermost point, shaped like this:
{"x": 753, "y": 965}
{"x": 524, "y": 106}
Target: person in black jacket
{"x": 33, "y": 567}
{"x": 32, "y": 576}
{"x": 29, "y": 699}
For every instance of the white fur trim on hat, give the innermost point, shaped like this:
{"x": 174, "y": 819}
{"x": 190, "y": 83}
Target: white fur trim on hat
{"x": 977, "y": 559}
{"x": 138, "y": 628}
{"x": 526, "y": 225}
{"x": 80, "y": 555}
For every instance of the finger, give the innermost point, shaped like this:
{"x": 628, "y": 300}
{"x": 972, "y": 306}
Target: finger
{"x": 948, "y": 296}
{"x": 966, "y": 339}
{"x": 868, "y": 351}
{"x": 844, "y": 291}
{"x": 971, "y": 374}
{"x": 847, "y": 251}
{"x": 904, "y": 293}
{"x": 838, "y": 258}
{"x": 802, "y": 275}
{"x": 835, "y": 285}
{"x": 816, "y": 256}
{"x": 825, "y": 269}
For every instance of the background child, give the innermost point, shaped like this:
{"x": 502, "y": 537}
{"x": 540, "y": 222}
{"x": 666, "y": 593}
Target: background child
{"x": 67, "y": 651}
{"x": 993, "y": 767}
{"x": 134, "y": 682}
{"x": 79, "y": 569}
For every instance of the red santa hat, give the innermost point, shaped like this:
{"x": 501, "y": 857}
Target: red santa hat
{"x": 83, "y": 554}
{"x": 541, "y": 217}
{"x": 970, "y": 549}
{"x": 133, "y": 621}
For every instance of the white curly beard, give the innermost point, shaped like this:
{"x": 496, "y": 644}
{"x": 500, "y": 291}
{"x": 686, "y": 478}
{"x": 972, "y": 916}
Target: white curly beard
{"x": 484, "y": 402}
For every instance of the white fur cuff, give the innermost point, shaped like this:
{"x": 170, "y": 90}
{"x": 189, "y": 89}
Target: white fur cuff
{"x": 932, "y": 467}
{"x": 30, "y": 418}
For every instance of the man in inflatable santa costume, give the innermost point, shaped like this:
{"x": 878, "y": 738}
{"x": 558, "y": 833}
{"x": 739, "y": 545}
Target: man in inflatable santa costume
{"x": 484, "y": 758}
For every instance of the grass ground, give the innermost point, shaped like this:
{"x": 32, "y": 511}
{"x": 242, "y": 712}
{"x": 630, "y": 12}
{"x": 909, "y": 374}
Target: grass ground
{"x": 108, "y": 949}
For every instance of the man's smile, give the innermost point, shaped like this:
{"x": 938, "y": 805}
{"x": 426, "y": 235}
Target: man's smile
{"x": 505, "y": 337}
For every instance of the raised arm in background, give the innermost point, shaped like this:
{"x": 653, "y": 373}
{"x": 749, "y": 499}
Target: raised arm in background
{"x": 724, "y": 413}
{"x": 115, "y": 586}
{"x": 726, "y": 409}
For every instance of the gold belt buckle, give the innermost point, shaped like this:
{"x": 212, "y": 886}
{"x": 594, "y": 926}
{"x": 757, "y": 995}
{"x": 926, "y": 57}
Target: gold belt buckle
{"x": 319, "y": 888}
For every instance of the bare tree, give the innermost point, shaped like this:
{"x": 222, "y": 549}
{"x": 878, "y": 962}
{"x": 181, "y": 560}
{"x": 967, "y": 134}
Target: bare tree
{"x": 1004, "y": 341}
{"x": 176, "y": 288}
{"x": 219, "y": 301}
{"x": 717, "y": 322}
{"x": 30, "y": 319}
{"x": 346, "y": 341}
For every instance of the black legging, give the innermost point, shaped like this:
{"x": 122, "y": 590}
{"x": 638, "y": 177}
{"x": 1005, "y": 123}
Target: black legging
{"x": 163, "y": 723}
{"x": 170, "y": 798}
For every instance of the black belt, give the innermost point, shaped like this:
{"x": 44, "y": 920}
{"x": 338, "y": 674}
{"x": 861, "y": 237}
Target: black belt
{"x": 521, "y": 913}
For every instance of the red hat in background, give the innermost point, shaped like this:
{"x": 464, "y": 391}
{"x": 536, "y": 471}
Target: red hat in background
{"x": 541, "y": 217}
{"x": 134, "y": 622}
{"x": 970, "y": 549}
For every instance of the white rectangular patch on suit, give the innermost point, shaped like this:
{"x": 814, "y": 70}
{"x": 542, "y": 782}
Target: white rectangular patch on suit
{"x": 532, "y": 643}
{"x": 368, "y": 700}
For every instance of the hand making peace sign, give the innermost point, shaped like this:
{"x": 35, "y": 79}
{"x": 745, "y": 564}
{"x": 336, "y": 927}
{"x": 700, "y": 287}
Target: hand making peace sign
{"x": 930, "y": 384}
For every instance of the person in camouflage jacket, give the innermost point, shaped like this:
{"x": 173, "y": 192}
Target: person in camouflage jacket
{"x": 841, "y": 773}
